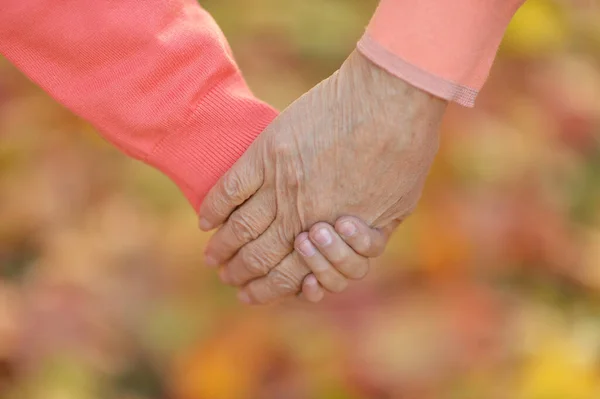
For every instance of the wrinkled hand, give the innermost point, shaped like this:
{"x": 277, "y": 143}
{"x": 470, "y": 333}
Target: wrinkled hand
{"x": 360, "y": 143}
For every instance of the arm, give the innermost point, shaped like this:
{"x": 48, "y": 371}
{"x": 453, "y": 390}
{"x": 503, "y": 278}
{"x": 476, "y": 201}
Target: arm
{"x": 155, "y": 77}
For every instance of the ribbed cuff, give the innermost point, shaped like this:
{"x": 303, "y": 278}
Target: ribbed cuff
{"x": 414, "y": 75}
{"x": 221, "y": 129}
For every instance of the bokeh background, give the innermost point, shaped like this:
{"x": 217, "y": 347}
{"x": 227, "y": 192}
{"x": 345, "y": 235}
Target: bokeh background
{"x": 489, "y": 291}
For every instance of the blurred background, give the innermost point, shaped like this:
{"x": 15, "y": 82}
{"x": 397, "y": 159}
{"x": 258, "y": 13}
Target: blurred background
{"x": 489, "y": 291}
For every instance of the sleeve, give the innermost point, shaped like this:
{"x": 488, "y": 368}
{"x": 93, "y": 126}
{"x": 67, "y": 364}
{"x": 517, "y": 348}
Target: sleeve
{"x": 445, "y": 47}
{"x": 155, "y": 77}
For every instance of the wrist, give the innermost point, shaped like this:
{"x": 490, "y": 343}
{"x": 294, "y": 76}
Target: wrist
{"x": 402, "y": 114}
{"x": 375, "y": 81}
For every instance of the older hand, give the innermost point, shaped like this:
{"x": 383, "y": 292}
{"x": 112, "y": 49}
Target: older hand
{"x": 360, "y": 143}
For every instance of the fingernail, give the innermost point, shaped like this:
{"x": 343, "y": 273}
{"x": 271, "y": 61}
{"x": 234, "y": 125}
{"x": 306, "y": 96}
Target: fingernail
{"x": 306, "y": 248}
{"x": 323, "y": 237}
{"x": 204, "y": 224}
{"x": 210, "y": 261}
{"x": 244, "y": 297}
{"x": 348, "y": 229}
{"x": 224, "y": 276}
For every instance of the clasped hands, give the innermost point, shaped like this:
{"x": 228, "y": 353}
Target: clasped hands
{"x": 321, "y": 189}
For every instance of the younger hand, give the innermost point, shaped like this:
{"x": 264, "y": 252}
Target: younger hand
{"x": 336, "y": 255}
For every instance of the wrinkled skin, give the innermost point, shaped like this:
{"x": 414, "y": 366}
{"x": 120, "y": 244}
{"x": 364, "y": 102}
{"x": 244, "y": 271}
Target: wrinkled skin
{"x": 360, "y": 143}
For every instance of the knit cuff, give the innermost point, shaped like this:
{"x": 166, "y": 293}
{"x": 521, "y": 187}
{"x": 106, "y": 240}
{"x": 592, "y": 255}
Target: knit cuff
{"x": 216, "y": 135}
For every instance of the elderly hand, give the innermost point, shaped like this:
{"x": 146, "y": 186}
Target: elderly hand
{"x": 360, "y": 143}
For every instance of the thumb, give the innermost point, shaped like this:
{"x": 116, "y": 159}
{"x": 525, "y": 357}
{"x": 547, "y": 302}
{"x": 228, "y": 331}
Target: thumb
{"x": 237, "y": 185}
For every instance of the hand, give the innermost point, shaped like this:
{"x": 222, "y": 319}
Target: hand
{"x": 345, "y": 255}
{"x": 360, "y": 143}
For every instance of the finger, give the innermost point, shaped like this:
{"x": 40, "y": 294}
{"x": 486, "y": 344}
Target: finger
{"x": 337, "y": 253}
{"x": 284, "y": 280}
{"x": 237, "y": 185}
{"x": 257, "y": 258}
{"x": 312, "y": 290}
{"x": 330, "y": 278}
{"x": 246, "y": 224}
{"x": 364, "y": 240}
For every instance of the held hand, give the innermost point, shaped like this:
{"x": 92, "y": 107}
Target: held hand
{"x": 346, "y": 255}
{"x": 360, "y": 143}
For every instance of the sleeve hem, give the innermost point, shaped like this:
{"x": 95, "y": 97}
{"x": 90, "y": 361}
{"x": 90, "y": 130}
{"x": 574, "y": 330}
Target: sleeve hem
{"x": 221, "y": 129}
{"x": 414, "y": 75}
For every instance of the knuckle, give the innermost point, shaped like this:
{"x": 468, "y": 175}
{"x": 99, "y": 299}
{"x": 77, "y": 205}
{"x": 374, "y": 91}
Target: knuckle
{"x": 255, "y": 265}
{"x": 257, "y": 269}
{"x": 283, "y": 283}
{"x": 242, "y": 227}
{"x": 286, "y": 235}
{"x": 232, "y": 187}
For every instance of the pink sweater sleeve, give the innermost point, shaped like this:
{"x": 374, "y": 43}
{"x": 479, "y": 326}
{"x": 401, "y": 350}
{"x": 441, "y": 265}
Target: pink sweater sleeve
{"x": 155, "y": 77}
{"x": 445, "y": 47}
